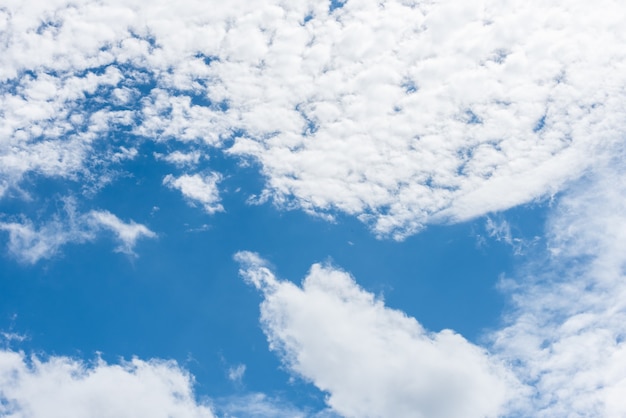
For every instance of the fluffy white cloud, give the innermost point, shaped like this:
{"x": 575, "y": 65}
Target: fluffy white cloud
{"x": 198, "y": 188}
{"x": 55, "y": 387}
{"x": 372, "y": 360}
{"x": 567, "y": 333}
{"x": 400, "y": 112}
{"x": 29, "y": 242}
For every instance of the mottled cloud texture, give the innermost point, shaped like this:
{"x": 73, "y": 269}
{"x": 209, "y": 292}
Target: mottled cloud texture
{"x": 400, "y": 113}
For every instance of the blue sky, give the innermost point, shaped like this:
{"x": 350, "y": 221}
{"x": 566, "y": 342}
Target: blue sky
{"x": 320, "y": 209}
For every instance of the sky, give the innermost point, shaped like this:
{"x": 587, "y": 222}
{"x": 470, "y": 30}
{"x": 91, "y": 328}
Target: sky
{"x": 312, "y": 209}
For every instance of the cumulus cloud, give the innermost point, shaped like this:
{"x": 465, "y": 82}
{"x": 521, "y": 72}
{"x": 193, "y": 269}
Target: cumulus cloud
{"x": 30, "y": 242}
{"x": 401, "y": 112}
{"x": 198, "y": 188}
{"x": 567, "y": 331}
{"x": 32, "y": 387}
{"x": 373, "y": 361}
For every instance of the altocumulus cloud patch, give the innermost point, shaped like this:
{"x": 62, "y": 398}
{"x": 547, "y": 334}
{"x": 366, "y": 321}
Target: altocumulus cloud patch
{"x": 399, "y": 113}
{"x": 403, "y": 113}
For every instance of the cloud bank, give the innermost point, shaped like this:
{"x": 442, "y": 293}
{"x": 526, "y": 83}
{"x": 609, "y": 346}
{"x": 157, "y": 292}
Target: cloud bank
{"x": 402, "y": 113}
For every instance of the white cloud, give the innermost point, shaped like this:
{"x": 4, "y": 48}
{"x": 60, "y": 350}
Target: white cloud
{"x": 180, "y": 159}
{"x": 10, "y": 337}
{"x": 126, "y": 233}
{"x": 408, "y": 113}
{"x": 198, "y": 188}
{"x": 259, "y": 405}
{"x": 124, "y": 154}
{"x": 565, "y": 337}
{"x": 567, "y": 332}
{"x": 47, "y": 127}
{"x": 401, "y": 113}
{"x": 373, "y": 361}
{"x": 398, "y": 112}
{"x": 499, "y": 229}
{"x": 235, "y": 373}
{"x": 30, "y": 243}
{"x": 31, "y": 387}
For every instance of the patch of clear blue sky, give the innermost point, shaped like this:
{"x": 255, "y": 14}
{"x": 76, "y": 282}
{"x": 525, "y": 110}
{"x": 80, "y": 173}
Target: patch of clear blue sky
{"x": 335, "y": 4}
{"x": 182, "y": 297}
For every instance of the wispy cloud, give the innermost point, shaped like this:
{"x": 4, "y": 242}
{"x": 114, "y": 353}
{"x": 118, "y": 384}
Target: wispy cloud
{"x": 30, "y": 242}
{"x": 180, "y": 159}
{"x": 499, "y": 229}
{"x": 567, "y": 331}
{"x": 126, "y": 233}
{"x": 259, "y": 405}
{"x": 235, "y": 373}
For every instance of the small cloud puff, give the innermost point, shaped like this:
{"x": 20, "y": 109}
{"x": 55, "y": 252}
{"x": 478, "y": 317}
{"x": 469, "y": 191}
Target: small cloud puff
{"x": 198, "y": 188}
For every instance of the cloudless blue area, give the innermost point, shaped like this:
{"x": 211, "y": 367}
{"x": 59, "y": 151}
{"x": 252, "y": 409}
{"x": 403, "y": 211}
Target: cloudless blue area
{"x": 336, "y": 4}
{"x": 182, "y": 298}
